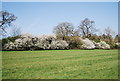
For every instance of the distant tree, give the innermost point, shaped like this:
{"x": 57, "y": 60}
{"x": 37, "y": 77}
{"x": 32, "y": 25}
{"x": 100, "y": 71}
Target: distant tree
{"x": 87, "y": 27}
{"x": 108, "y": 33}
{"x": 76, "y": 32}
{"x": 5, "y": 20}
{"x": 108, "y": 37}
{"x": 64, "y": 29}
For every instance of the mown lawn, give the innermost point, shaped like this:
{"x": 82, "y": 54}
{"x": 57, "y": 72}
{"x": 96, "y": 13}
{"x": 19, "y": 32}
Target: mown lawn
{"x": 60, "y": 64}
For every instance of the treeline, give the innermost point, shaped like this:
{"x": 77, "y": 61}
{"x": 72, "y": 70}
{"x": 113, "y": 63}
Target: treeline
{"x": 66, "y": 31}
{"x": 50, "y": 42}
{"x": 66, "y": 36}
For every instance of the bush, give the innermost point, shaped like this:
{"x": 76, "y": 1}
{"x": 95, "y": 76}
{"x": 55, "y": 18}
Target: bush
{"x": 9, "y": 39}
{"x": 112, "y": 45}
{"x": 59, "y": 44}
{"x": 87, "y": 44}
{"x": 118, "y": 45}
{"x": 95, "y": 38}
{"x": 104, "y": 45}
{"x": 30, "y": 42}
{"x": 74, "y": 42}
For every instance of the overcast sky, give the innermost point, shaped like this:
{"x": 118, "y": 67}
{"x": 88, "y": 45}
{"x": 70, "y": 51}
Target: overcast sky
{"x": 41, "y": 17}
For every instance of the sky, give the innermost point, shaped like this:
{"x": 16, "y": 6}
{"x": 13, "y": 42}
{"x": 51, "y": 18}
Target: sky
{"x": 41, "y": 17}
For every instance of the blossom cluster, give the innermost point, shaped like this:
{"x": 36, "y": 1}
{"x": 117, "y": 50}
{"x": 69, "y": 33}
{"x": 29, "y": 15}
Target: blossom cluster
{"x": 31, "y": 42}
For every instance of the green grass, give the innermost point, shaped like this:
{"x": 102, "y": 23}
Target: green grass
{"x": 60, "y": 64}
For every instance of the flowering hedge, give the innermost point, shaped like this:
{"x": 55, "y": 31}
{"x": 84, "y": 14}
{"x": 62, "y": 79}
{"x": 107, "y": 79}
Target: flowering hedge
{"x": 31, "y": 42}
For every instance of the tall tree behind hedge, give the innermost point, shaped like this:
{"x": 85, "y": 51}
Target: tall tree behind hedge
{"x": 87, "y": 27}
{"x": 6, "y": 19}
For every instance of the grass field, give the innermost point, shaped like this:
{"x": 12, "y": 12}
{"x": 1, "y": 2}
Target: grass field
{"x": 60, "y": 64}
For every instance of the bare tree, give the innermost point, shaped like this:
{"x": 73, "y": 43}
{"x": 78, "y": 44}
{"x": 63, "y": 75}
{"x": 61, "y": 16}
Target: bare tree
{"x": 64, "y": 29}
{"x": 109, "y": 33}
{"x": 87, "y": 27}
{"x": 5, "y": 19}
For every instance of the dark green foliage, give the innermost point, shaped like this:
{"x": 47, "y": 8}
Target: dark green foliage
{"x": 74, "y": 42}
{"x": 110, "y": 40}
{"x": 113, "y": 45}
{"x": 117, "y": 38}
{"x": 95, "y": 38}
{"x": 9, "y": 39}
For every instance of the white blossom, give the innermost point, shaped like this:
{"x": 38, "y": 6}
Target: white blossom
{"x": 87, "y": 44}
{"x": 29, "y": 41}
{"x": 104, "y": 45}
{"x": 101, "y": 45}
{"x": 59, "y": 44}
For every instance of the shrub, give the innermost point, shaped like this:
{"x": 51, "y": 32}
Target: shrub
{"x": 9, "y": 39}
{"x": 59, "y": 44}
{"x": 30, "y": 42}
{"x": 95, "y": 38}
{"x": 74, "y": 42}
{"x": 104, "y": 45}
{"x": 87, "y": 44}
{"x": 117, "y": 45}
{"x": 112, "y": 45}
{"x": 101, "y": 45}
